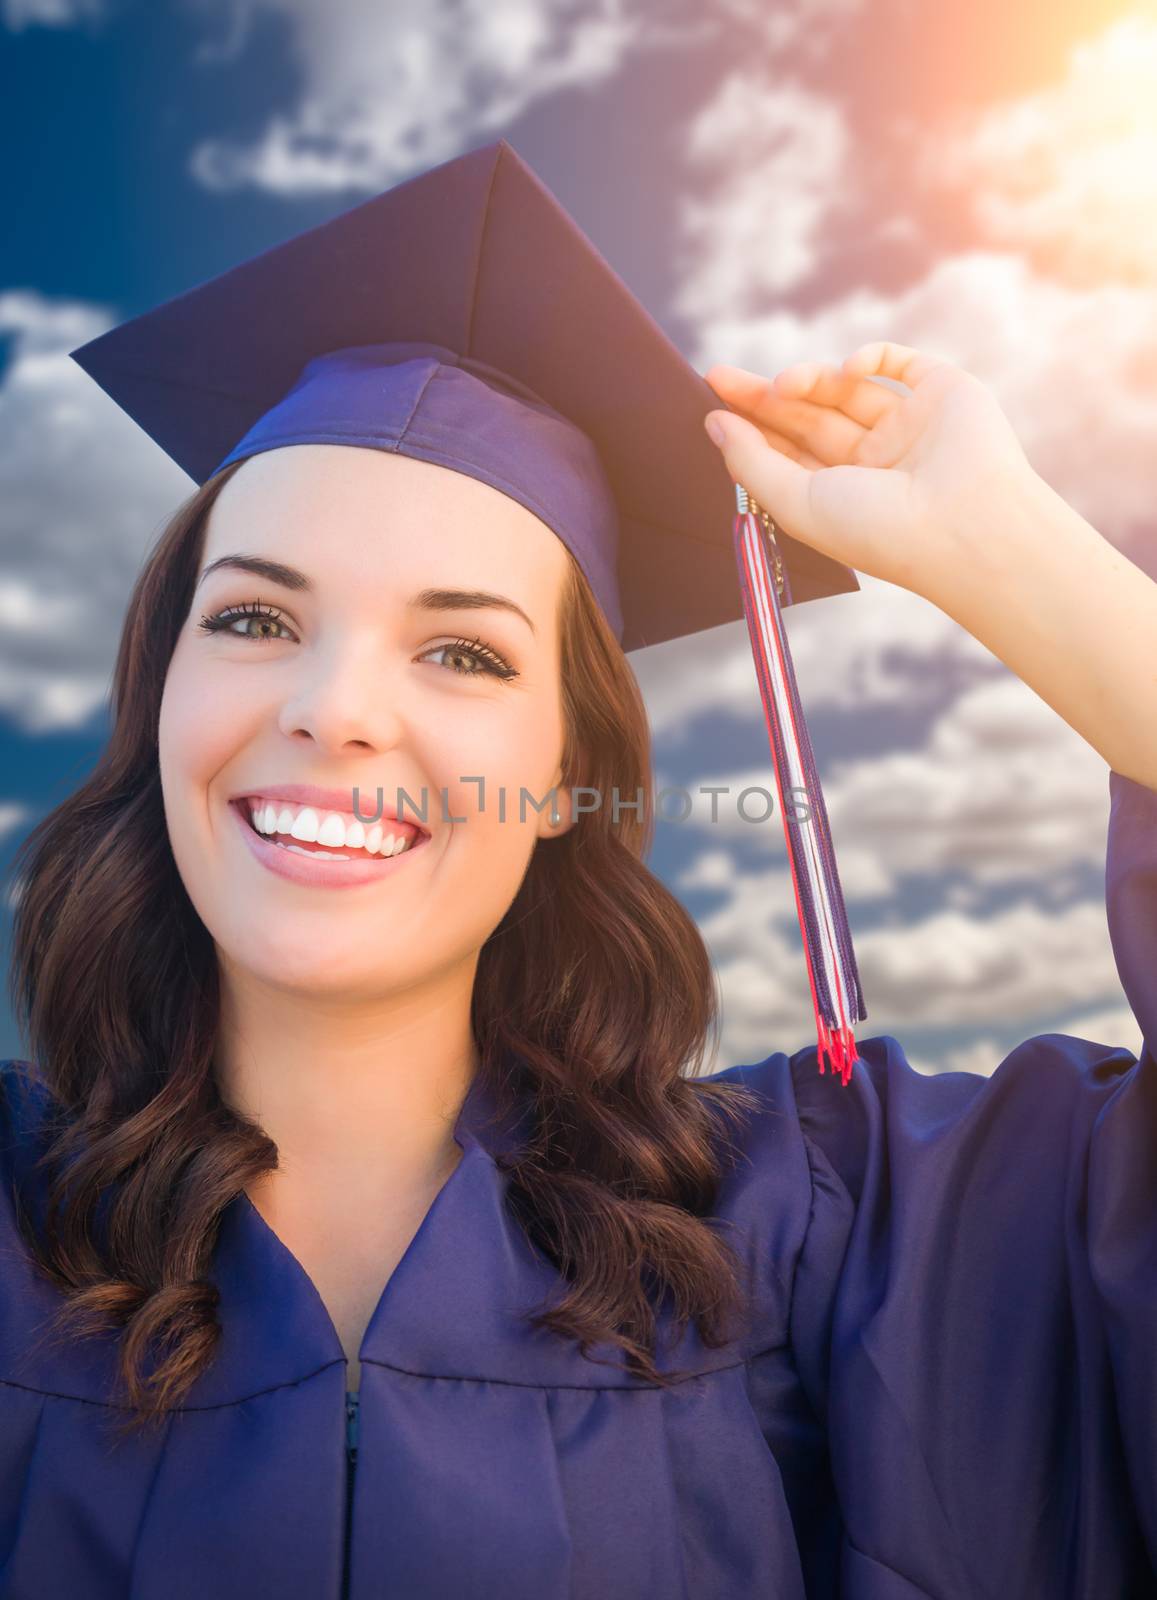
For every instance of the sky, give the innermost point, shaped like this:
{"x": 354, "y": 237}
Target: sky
{"x": 776, "y": 183}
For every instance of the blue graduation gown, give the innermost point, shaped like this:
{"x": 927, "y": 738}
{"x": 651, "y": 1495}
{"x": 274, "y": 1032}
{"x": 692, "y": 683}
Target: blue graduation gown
{"x": 949, "y": 1390}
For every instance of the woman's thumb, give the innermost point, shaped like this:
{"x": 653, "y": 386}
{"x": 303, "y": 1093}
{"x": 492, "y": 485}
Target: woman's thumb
{"x": 778, "y": 483}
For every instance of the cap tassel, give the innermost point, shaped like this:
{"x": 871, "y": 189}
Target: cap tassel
{"x": 837, "y": 998}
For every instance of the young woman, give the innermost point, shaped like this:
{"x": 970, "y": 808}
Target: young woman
{"x": 326, "y": 1115}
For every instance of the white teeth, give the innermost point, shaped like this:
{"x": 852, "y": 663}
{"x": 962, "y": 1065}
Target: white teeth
{"x": 331, "y": 832}
{"x": 331, "y": 829}
{"x": 305, "y": 827}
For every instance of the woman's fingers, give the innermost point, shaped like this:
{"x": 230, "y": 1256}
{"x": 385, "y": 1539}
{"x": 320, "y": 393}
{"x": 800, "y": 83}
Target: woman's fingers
{"x": 821, "y": 383}
{"x": 827, "y": 436}
{"x": 778, "y": 479}
{"x": 859, "y": 398}
{"x": 887, "y": 359}
{"x": 819, "y": 408}
{"x": 743, "y": 389}
{"x": 790, "y": 447}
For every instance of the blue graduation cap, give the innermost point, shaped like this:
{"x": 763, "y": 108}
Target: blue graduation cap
{"x": 464, "y": 318}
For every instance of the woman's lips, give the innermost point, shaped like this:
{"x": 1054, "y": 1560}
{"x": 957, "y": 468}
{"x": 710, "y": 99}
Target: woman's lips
{"x": 320, "y": 869}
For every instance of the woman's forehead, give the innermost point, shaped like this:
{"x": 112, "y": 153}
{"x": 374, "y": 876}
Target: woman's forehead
{"x": 349, "y": 488}
{"x": 332, "y": 508}
{"x": 381, "y": 481}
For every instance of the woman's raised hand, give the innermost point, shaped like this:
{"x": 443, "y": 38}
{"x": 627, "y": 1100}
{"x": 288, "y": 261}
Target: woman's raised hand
{"x": 898, "y": 485}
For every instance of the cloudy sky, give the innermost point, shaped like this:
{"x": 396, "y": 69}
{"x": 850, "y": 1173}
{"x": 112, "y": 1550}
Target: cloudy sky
{"x": 777, "y": 183}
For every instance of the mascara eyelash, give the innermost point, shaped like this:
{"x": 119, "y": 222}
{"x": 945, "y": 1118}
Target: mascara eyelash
{"x": 498, "y": 665}
{"x": 218, "y": 621}
{"x": 492, "y": 663}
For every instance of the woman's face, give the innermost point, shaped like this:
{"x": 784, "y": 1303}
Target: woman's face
{"x": 366, "y": 673}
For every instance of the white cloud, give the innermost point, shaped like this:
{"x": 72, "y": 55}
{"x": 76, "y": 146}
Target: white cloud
{"x": 1054, "y": 309}
{"x": 1110, "y": 1025}
{"x": 949, "y": 970}
{"x": 392, "y": 89}
{"x": 1003, "y": 792}
{"x": 760, "y": 231}
{"x": 803, "y": 27}
{"x": 943, "y": 971}
{"x": 1074, "y": 369}
{"x": 12, "y": 815}
{"x": 19, "y": 14}
{"x": 1113, "y": 1026}
{"x": 884, "y": 646}
{"x": 1069, "y": 174}
{"x": 84, "y": 492}
{"x": 1061, "y": 322}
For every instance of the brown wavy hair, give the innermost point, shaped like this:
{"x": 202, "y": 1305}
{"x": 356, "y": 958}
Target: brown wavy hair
{"x": 593, "y": 996}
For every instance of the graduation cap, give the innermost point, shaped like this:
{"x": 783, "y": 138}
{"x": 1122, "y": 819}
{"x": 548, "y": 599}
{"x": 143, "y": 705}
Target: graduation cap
{"x": 463, "y": 317}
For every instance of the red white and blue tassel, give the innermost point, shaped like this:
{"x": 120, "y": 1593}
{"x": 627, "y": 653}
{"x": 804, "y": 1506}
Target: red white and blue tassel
{"x": 837, "y": 998}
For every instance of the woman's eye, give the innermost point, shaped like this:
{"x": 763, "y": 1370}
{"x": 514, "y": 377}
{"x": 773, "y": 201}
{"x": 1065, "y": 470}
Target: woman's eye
{"x": 222, "y": 621}
{"x": 471, "y": 658}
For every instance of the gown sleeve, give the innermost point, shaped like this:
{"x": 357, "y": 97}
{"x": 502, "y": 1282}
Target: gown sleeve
{"x": 974, "y": 1309}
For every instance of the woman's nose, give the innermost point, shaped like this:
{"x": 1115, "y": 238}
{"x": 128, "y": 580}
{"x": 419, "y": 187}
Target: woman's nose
{"x": 348, "y": 696}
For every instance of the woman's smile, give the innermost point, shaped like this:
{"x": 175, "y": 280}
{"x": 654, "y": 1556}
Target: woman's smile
{"x": 317, "y": 865}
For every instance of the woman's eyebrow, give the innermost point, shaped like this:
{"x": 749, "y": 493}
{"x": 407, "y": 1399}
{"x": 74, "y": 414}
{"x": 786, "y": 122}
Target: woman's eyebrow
{"x": 271, "y": 571}
{"x": 467, "y": 600}
{"x": 425, "y": 600}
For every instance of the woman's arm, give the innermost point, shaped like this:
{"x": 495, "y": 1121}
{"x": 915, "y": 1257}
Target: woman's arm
{"x": 931, "y": 490}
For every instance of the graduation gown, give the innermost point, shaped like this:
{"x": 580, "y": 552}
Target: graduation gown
{"x": 949, "y": 1389}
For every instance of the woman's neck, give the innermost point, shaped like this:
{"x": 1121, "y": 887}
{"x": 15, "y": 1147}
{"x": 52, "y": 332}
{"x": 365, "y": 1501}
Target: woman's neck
{"x": 364, "y": 1093}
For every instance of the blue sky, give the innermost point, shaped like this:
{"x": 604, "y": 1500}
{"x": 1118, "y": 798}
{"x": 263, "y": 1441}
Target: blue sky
{"x": 776, "y": 184}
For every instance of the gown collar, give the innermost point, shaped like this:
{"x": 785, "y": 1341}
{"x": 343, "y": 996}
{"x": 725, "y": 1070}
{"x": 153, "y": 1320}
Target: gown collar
{"x": 457, "y": 1304}
{"x": 444, "y": 1307}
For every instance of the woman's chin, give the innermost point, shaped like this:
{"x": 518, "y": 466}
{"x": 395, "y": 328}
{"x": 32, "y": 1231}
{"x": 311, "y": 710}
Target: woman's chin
{"x": 340, "y": 976}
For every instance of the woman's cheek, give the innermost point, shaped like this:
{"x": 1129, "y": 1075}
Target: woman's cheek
{"x": 204, "y": 722}
{"x": 478, "y": 757}
{"x": 180, "y": 736}
{"x": 201, "y": 733}
{"x": 494, "y": 825}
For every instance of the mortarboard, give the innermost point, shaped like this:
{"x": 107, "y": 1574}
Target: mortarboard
{"x": 463, "y": 317}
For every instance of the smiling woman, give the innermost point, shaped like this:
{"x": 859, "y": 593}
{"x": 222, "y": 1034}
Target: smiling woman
{"x": 358, "y": 682}
{"x": 454, "y": 940}
{"x": 365, "y": 1227}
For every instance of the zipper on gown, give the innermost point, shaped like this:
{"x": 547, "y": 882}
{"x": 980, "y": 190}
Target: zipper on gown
{"x": 351, "y": 1453}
